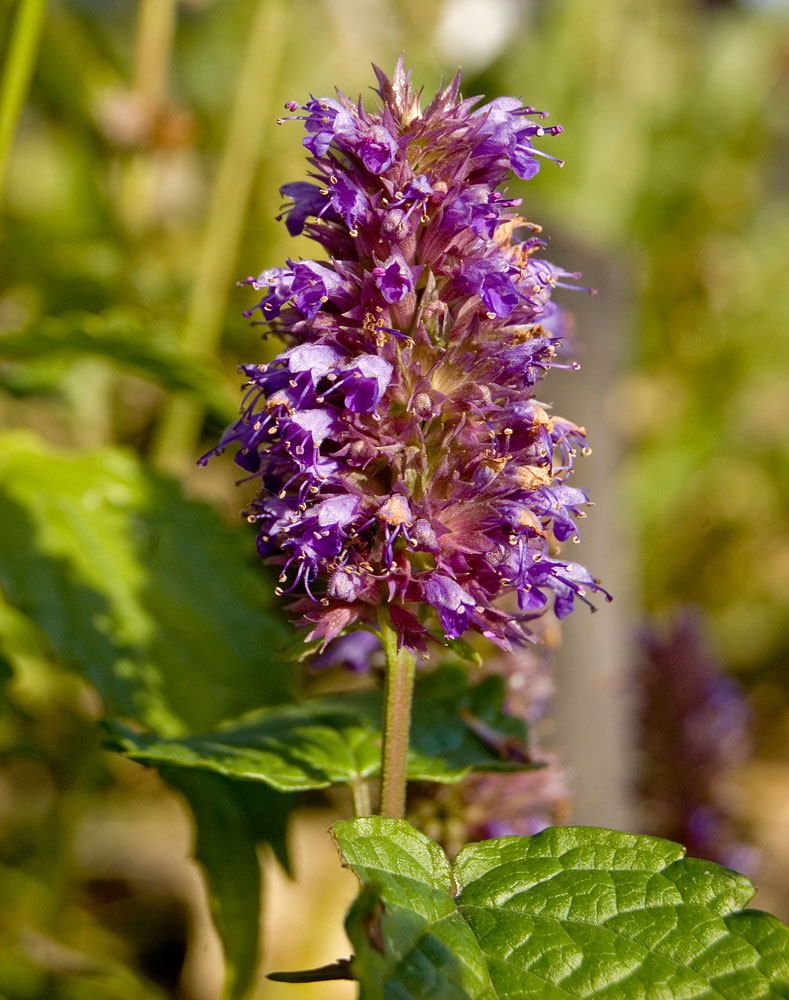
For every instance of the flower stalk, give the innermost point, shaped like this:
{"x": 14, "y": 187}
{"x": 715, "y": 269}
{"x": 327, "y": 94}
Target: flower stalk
{"x": 398, "y": 696}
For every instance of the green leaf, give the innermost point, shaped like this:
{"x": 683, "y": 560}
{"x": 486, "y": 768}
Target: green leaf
{"x": 337, "y": 740}
{"x": 156, "y": 600}
{"x": 151, "y": 596}
{"x": 230, "y": 819}
{"x": 572, "y": 912}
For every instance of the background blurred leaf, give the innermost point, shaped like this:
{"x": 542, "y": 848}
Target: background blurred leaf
{"x": 35, "y": 964}
{"x": 231, "y": 818}
{"x": 571, "y": 912}
{"x": 148, "y": 594}
{"x": 123, "y": 338}
{"x": 337, "y": 740}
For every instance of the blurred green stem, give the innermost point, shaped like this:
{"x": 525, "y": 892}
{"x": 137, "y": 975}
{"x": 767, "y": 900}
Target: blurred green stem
{"x": 156, "y": 25}
{"x": 22, "y": 52}
{"x": 155, "y": 33}
{"x": 398, "y": 696}
{"x": 180, "y": 426}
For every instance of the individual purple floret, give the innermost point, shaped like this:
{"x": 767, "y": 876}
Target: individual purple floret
{"x": 693, "y": 725}
{"x": 401, "y": 455}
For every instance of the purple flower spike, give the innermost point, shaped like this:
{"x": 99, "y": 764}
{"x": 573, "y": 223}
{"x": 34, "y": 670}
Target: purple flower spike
{"x": 694, "y": 723}
{"x": 401, "y": 455}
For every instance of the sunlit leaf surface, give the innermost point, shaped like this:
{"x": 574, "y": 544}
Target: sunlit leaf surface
{"x": 573, "y": 912}
{"x": 149, "y": 595}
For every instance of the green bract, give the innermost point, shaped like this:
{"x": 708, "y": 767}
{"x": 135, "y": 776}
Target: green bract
{"x": 574, "y": 912}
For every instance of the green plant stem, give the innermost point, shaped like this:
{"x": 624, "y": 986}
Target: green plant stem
{"x": 155, "y": 33}
{"x": 140, "y": 168}
{"x": 398, "y": 696}
{"x": 360, "y": 790}
{"x": 21, "y": 57}
{"x": 180, "y": 426}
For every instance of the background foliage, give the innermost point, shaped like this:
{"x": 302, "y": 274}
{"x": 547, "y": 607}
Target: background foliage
{"x": 141, "y": 181}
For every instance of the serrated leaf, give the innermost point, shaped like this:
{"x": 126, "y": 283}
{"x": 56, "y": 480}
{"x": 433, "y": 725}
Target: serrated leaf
{"x": 337, "y": 740}
{"x": 231, "y": 818}
{"x": 151, "y": 596}
{"x": 571, "y": 913}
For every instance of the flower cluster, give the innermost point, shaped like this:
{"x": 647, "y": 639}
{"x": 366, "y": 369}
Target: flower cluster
{"x": 402, "y": 456}
{"x": 693, "y": 726}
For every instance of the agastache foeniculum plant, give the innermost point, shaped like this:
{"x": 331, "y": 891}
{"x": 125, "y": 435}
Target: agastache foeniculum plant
{"x": 413, "y": 489}
{"x": 403, "y": 458}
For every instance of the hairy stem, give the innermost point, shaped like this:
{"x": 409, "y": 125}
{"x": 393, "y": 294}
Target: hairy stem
{"x": 360, "y": 790}
{"x": 397, "y": 719}
{"x": 20, "y": 59}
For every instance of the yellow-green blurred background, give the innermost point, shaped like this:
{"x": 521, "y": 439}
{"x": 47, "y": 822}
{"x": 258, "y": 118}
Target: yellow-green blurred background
{"x": 140, "y": 181}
